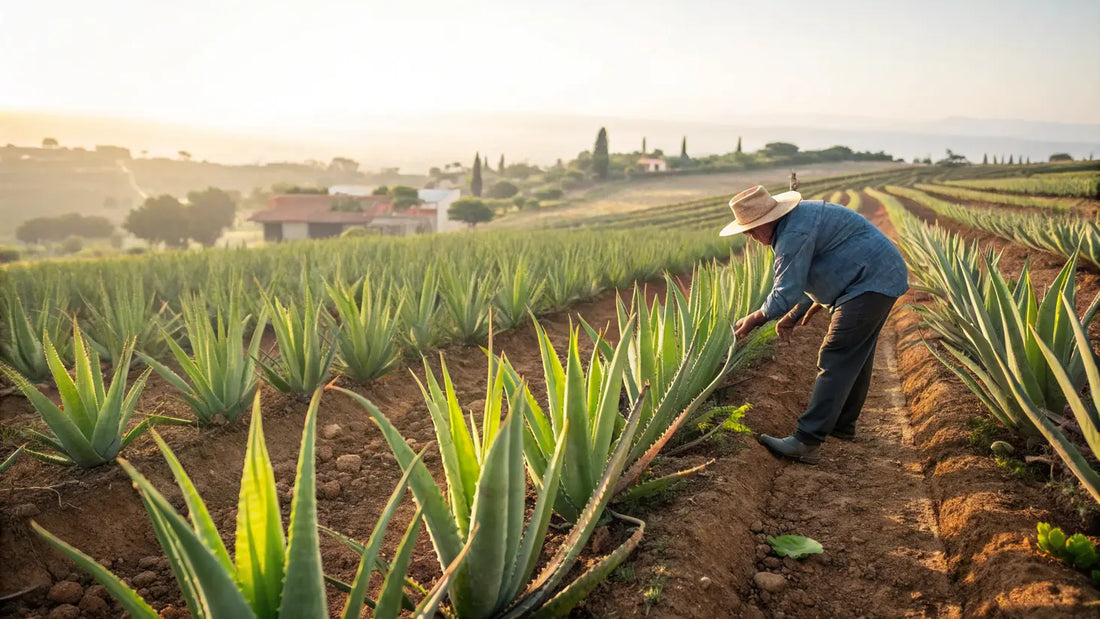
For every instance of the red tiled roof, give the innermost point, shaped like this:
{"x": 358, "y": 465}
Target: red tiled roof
{"x": 317, "y": 208}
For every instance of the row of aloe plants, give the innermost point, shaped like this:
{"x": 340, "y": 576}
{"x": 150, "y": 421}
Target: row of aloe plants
{"x": 1068, "y": 236}
{"x": 218, "y": 377}
{"x": 420, "y": 293}
{"x": 578, "y": 455}
{"x": 1026, "y": 356}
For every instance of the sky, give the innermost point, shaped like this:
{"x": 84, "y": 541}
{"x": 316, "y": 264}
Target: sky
{"x": 246, "y": 64}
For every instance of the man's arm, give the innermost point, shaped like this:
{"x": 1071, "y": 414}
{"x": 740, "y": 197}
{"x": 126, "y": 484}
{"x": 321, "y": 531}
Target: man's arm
{"x": 792, "y": 266}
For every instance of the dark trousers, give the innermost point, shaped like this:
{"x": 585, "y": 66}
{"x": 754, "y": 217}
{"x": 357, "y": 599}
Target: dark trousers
{"x": 844, "y": 366}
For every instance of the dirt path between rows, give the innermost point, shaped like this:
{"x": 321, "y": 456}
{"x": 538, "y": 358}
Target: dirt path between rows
{"x": 866, "y": 502}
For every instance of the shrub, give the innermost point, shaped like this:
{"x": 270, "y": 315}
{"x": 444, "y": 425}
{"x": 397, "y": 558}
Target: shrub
{"x": 519, "y": 201}
{"x": 355, "y": 232}
{"x": 136, "y": 251}
{"x": 71, "y": 245}
{"x": 405, "y": 202}
{"x": 403, "y": 191}
{"x": 549, "y": 193}
{"x": 503, "y": 189}
{"x": 8, "y": 254}
{"x": 470, "y": 210}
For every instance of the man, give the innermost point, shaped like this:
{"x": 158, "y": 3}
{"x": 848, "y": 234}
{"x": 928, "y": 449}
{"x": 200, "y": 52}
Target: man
{"x": 825, "y": 255}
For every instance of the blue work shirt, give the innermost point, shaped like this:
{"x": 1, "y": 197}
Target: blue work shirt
{"x": 830, "y": 254}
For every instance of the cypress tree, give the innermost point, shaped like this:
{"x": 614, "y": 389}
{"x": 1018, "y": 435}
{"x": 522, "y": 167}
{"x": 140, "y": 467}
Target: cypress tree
{"x": 684, "y": 148}
{"x": 500, "y": 166}
{"x": 1010, "y": 160}
{"x": 475, "y": 180}
{"x": 985, "y": 159}
{"x": 738, "y": 145}
{"x": 600, "y": 159}
{"x": 486, "y": 163}
{"x": 643, "y": 145}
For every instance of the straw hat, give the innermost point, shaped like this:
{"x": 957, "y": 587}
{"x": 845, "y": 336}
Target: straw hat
{"x": 756, "y": 207}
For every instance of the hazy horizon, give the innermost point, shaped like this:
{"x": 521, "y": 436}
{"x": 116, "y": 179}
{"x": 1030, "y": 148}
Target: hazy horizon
{"x": 418, "y": 83}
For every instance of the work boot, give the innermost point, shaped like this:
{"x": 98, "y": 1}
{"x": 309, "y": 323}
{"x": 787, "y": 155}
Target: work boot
{"x": 792, "y": 448}
{"x": 844, "y": 435}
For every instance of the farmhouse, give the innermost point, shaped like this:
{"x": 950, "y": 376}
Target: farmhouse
{"x": 650, "y": 164}
{"x": 316, "y": 216}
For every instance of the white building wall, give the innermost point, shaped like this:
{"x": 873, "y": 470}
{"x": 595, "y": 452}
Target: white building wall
{"x": 442, "y": 198}
{"x": 295, "y": 231}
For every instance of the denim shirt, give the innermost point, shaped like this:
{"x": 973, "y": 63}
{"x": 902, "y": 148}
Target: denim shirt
{"x": 830, "y": 254}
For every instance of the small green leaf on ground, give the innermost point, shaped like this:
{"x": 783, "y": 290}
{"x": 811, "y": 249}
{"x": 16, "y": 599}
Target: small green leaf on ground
{"x": 794, "y": 546}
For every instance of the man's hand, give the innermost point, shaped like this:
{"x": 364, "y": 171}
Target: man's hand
{"x": 789, "y": 322}
{"x": 748, "y": 324}
{"x": 785, "y": 325}
{"x": 810, "y": 313}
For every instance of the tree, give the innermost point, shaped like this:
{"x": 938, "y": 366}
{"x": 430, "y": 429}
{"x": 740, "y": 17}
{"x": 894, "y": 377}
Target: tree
{"x": 600, "y": 158}
{"x": 405, "y": 197}
{"x": 500, "y": 165}
{"x": 780, "y": 149}
{"x": 1061, "y": 157}
{"x": 502, "y": 190}
{"x": 985, "y": 159}
{"x": 343, "y": 164}
{"x": 186, "y": 156}
{"x": 738, "y": 145}
{"x": 49, "y": 142}
{"x": 159, "y": 220}
{"x": 380, "y": 190}
{"x": 475, "y": 179}
{"x": 643, "y": 145}
{"x": 470, "y": 210}
{"x": 1010, "y": 160}
{"x": 52, "y": 229}
{"x": 684, "y": 148}
{"x": 211, "y": 211}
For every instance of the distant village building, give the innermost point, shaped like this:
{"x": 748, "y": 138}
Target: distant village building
{"x": 650, "y": 164}
{"x": 317, "y": 216}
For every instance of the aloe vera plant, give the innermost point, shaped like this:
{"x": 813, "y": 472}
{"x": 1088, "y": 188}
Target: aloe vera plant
{"x": 582, "y": 410}
{"x": 272, "y": 573}
{"x": 485, "y": 489}
{"x": 467, "y": 300}
{"x": 1085, "y": 415}
{"x": 367, "y": 341}
{"x": 89, "y": 428}
{"x": 420, "y": 311}
{"x": 221, "y": 376}
{"x": 1003, "y": 327}
{"x": 129, "y": 313}
{"x": 22, "y": 347}
{"x": 518, "y": 296}
{"x": 306, "y": 347}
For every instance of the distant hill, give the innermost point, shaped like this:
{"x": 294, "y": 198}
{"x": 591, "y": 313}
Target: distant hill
{"x": 108, "y": 181}
{"x": 416, "y": 143}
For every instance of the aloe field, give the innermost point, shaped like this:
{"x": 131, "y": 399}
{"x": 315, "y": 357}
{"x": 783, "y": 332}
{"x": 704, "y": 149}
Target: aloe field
{"x": 557, "y": 420}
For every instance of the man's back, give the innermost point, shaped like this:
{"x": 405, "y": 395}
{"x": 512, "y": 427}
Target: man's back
{"x": 849, "y": 256}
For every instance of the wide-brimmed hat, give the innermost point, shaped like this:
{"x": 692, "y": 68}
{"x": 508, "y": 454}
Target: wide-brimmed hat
{"x": 756, "y": 207}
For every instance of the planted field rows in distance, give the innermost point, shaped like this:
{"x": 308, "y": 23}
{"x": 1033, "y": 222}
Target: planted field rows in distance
{"x": 1059, "y": 184}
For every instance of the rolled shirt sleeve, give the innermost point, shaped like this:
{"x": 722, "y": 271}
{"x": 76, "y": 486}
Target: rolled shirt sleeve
{"x": 793, "y": 254}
